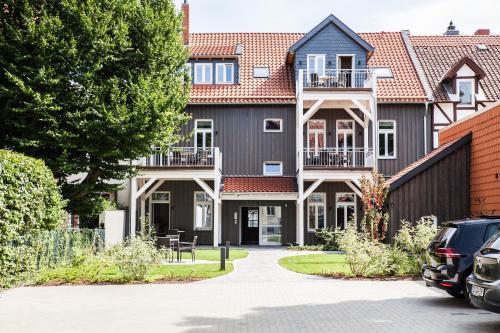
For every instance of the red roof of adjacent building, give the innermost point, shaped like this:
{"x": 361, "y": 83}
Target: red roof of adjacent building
{"x": 270, "y": 49}
{"x": 438, "y": 54}
{"x": 259, "y": 184}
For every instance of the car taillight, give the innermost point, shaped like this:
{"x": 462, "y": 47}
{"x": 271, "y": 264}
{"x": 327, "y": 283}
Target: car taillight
{"x": 447, "y": 252}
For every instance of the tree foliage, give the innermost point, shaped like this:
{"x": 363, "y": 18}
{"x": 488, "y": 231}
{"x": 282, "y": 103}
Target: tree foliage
{"x": 88, "y": 84}
{"x": 374, "y": 191}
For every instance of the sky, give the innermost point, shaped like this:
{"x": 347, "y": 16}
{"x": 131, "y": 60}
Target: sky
{"x": 422, "y": 17}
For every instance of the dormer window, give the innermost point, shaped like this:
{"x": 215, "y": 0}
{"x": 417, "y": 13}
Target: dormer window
{"x": 465, "y": 91}
{"x": 203, "y": 73}
{"x": 224, "y": 73}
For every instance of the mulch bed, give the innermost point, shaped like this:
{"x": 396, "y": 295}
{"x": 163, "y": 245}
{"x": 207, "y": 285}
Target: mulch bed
{"x": 371, "y": 278}
{"x": 89, "y": 283}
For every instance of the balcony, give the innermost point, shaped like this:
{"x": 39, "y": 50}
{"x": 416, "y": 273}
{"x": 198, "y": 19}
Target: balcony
{"x": 357, "y": 79}
{"x": 338, "y": 158}
{"x": 183, "y": 157}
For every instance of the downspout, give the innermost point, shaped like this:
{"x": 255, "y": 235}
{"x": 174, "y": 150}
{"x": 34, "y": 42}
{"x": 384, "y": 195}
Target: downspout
{"x": 425, "y": 127}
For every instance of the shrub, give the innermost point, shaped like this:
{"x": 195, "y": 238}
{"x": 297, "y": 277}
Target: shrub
{"x": 135, "y": 257}
{"x": 30, "y": 201}
{"x": 328, "y": 239}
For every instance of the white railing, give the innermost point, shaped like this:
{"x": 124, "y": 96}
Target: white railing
{"x": 183, "y": 157}
{"x": 338, "y": 158}
{"x": 333, "y": 78}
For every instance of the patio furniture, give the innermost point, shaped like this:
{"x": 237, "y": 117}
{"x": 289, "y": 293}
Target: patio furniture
{"x": 187, "y": 247}
{"x": 173, "y": 245}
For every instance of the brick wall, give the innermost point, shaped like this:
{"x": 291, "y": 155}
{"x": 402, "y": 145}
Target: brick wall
{"x": 485, "y": 158}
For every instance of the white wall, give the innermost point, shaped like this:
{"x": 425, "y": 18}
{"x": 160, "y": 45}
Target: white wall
{"x": 114, "y": 226}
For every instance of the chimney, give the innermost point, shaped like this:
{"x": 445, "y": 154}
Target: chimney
{"x": 451, "y": 31}
{"x": 185, "y": 22}
{"x": 482, "y": 32}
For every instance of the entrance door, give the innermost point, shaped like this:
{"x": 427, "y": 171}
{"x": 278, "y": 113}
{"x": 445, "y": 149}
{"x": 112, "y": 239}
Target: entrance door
{"x": 345, "y": 65}
{"x": 250, "y": 225}
{"x": 161, "y": 218}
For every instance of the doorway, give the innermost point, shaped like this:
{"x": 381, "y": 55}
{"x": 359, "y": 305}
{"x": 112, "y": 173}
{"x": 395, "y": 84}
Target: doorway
{"x": 250, "y": 225}
{"x": 345, "y": 142}
{"x": 159, "y": 208}
{"x": 345, "y": 66}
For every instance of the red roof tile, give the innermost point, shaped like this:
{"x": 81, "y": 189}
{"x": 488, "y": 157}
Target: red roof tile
{"x": 259, "y": 184}
{"x": 390, "y": 51}
{"x": 271, "y": 49}
{"x": 437, "y": 54}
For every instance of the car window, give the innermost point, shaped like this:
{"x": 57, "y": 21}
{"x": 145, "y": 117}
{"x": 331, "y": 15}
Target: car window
{"x": 493, "y": 243}
{"x": 444, "y": 236}
{"x": 491, "y": 230}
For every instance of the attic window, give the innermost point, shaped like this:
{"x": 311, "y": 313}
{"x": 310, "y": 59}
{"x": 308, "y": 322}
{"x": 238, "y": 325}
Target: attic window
{"x": 482, "y": 47}
{"x": 261, "y": 72}
{"x": 383, "y": 72}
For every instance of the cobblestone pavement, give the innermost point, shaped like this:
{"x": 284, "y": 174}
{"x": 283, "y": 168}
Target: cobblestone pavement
{"x": 259, "y": 296}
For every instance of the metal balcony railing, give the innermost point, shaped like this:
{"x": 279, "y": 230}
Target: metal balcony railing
{"x": 338, "y": 158}
{"x": 182, "y": 157}
{"x": 333, "y": 78}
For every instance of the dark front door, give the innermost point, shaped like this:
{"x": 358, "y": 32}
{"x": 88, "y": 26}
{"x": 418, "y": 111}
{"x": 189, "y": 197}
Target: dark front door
{"x": 250, "y": 225}
{"x": 161, "y": 218}
{"x": 345, "y": 67}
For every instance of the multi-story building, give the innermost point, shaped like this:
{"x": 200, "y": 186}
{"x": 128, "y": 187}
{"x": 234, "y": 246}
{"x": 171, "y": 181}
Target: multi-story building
{"x": 284, "y": 125}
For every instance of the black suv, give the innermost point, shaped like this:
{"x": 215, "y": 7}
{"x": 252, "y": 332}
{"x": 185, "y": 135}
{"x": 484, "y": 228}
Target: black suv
{"x": 484, "y": 284}
{"x": 450, "y": 255}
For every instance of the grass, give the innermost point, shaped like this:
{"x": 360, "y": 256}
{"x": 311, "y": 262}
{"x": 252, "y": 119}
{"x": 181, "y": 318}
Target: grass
{"x": 214, "y": 254}
{"x": 317, "y": 264}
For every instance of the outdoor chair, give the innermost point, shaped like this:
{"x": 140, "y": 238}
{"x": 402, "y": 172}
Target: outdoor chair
{"x": 187, "y": 247}
{"x": 172, "y": 245}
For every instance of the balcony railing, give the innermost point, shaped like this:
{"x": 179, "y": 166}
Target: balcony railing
{"x": 333, "y": 78}
{"x": 182, "y": 157}
{"x": 338, "y": 158}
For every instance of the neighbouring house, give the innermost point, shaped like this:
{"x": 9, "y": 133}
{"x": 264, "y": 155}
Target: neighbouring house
{"x": 484, "y": 127}
{"x": 284, "y": 126}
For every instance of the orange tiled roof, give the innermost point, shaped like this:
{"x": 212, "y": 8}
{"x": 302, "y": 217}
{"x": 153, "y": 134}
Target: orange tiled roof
{"x": 271, "y": 49}
{"x": 259, "y": 184}
{"x": 437, "y": 54}
{"x": 390, "y": 51}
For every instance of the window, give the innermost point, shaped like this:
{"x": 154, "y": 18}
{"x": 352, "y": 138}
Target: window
{"x": 273, "y": 168}
{"x": 316, "y": 63}
{"x": 316, "y": 211}
{"x": 316, "y": 132}
{"x": 345, "y": 136}
{"x": 465, "y": 92}
{"x": 203, "y": 133}
{"x": 383, "y": 72}
{"x": 160, "y": 196}
{"x": 491, "y": 230}
{"x": 253, "y": 218}
{"x": 203, "y": 73}
{"x": 224, "y": 73}
{"x": 261, "y": 72}
{"x": 273, "y": 125}
{"x": 387, "y": 139}
{"x": 345, "y": 206}
{"x": 202, "y": 211}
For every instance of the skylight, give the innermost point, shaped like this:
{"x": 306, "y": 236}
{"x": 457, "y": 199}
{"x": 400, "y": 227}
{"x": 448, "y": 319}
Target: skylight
{"x": 261, "y": 72}
{"x": 383, "y": 72}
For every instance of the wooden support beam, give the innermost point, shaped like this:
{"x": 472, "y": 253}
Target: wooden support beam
{"x": 206, "y": 188}
{"x": 311, "y": 188}
{"x": 145, "y": 187}
{"x": 354, "y": 188}
{"x": 355, "y": 116}
{"x": 154, "y": 188}
{"x": 362, "y": 108}
{"x": 312, "y": 111}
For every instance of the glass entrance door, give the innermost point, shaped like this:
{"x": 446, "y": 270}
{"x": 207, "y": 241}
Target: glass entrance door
{"x": 270, "y": 225}
{"x": 345, "y": 141}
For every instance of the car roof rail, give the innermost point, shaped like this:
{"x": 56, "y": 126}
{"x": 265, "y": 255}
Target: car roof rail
{"x": 489, "y": 217}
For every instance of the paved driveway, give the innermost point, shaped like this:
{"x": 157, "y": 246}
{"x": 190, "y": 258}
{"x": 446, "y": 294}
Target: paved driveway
{"x": 259, "y": 296}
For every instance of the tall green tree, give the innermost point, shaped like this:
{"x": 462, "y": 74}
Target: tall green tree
{"x": 88, "y": 84}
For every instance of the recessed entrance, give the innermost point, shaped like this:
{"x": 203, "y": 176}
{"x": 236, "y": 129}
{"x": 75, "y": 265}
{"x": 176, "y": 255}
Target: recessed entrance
{"x": 261, "y": 225}
{"x": 160, "y": 212}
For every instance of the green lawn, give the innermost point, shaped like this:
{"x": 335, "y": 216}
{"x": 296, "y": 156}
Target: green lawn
{"x": 94, "y": 273}
{"x": 317, "y": 264}
{"x": 214, "y": 254}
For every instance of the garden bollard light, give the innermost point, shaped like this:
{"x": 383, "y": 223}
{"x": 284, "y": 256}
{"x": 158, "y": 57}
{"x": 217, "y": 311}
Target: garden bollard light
{"x": 227, "y": 249}
{"x": 222, "y": 258}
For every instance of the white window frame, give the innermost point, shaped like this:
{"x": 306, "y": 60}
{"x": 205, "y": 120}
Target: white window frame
{"x": 204, "y": 203}
{"x": 385, "y": 132}
{"x": 317, "y": 70}
{"x": 204, "y": 131}
{"x": 273, "y": 119}
{"x": 344, "y": 131}
{"x": 197, "y": 66}
{"x": 272, "y": 174}
{"x": 473, "y": 92}
{"x": 316, "y": 131}
{"x": 316, "y": 205}
{"x": 345, "y": 204}
{"x": 224, "y": 79}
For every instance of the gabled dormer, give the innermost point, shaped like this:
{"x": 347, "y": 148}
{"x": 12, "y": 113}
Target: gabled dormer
{"x": 333, "y": 50}
{"x": 461, "y": 82}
